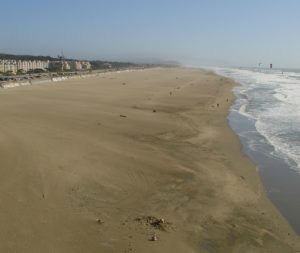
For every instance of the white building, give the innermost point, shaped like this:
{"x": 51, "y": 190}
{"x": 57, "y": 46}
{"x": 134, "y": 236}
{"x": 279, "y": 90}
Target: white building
{"x": 86, "y": 65}
{"x": 15, "y": 65}
{"x": 76, "y": 65}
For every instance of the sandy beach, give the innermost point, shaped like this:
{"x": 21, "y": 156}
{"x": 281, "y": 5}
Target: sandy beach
{"x": 105, "y": 163}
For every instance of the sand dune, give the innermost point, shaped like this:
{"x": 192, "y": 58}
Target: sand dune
{"x": 93, "y": 165}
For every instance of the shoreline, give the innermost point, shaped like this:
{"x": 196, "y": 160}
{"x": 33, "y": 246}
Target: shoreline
{"x": 109, "y": 162}
{"x": 278, "y": 174}
{"x": 274, "y": 172}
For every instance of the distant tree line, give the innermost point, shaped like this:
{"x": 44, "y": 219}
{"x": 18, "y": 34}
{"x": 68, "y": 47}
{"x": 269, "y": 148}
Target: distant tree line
{"x": 119, "y": 65}
{"x": 114, "y": 65}
{"x": 26, "y": 57}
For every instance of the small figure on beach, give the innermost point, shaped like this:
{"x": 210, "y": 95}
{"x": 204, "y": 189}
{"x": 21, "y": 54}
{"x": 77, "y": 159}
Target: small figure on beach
{"x": 99, "y": 221}
{"x": 218, "y": 105}
{"x": 153, "y": 238}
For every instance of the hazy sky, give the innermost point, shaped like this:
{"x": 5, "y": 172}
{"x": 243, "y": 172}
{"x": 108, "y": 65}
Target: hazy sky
{"x": 218, "y": 32}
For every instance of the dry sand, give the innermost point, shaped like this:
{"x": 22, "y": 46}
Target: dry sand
{"x": 76, "y": 176}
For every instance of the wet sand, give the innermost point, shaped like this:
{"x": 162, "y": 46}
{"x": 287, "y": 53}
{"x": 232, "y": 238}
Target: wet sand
{"x": 93, "y": 165}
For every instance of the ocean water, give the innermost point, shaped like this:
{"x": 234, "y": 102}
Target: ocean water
{"x": 271, "y": 100}
{"x": 266, "y": 117}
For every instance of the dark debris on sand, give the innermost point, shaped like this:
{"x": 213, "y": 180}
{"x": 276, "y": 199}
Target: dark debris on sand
{"x": 160, "y": 224}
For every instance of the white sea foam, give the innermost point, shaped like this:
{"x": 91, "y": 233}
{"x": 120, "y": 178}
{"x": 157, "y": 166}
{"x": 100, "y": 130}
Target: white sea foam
{"x": 243, "y": 111}
{"x": 272, "y": 99}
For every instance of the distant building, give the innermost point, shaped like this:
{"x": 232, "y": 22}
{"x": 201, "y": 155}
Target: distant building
{"x": 80, "y": 65}
{"x": 23, "y": 65}
{"x": 1, "y": 66}
{"x": 8, "y": 66}
{"x": 56, "y": 65}
{"x": 18, "y": 65}
{"x": 75, "y": 65}
{"x": 66, "y": 65}
{"x": 86, "y": 65}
